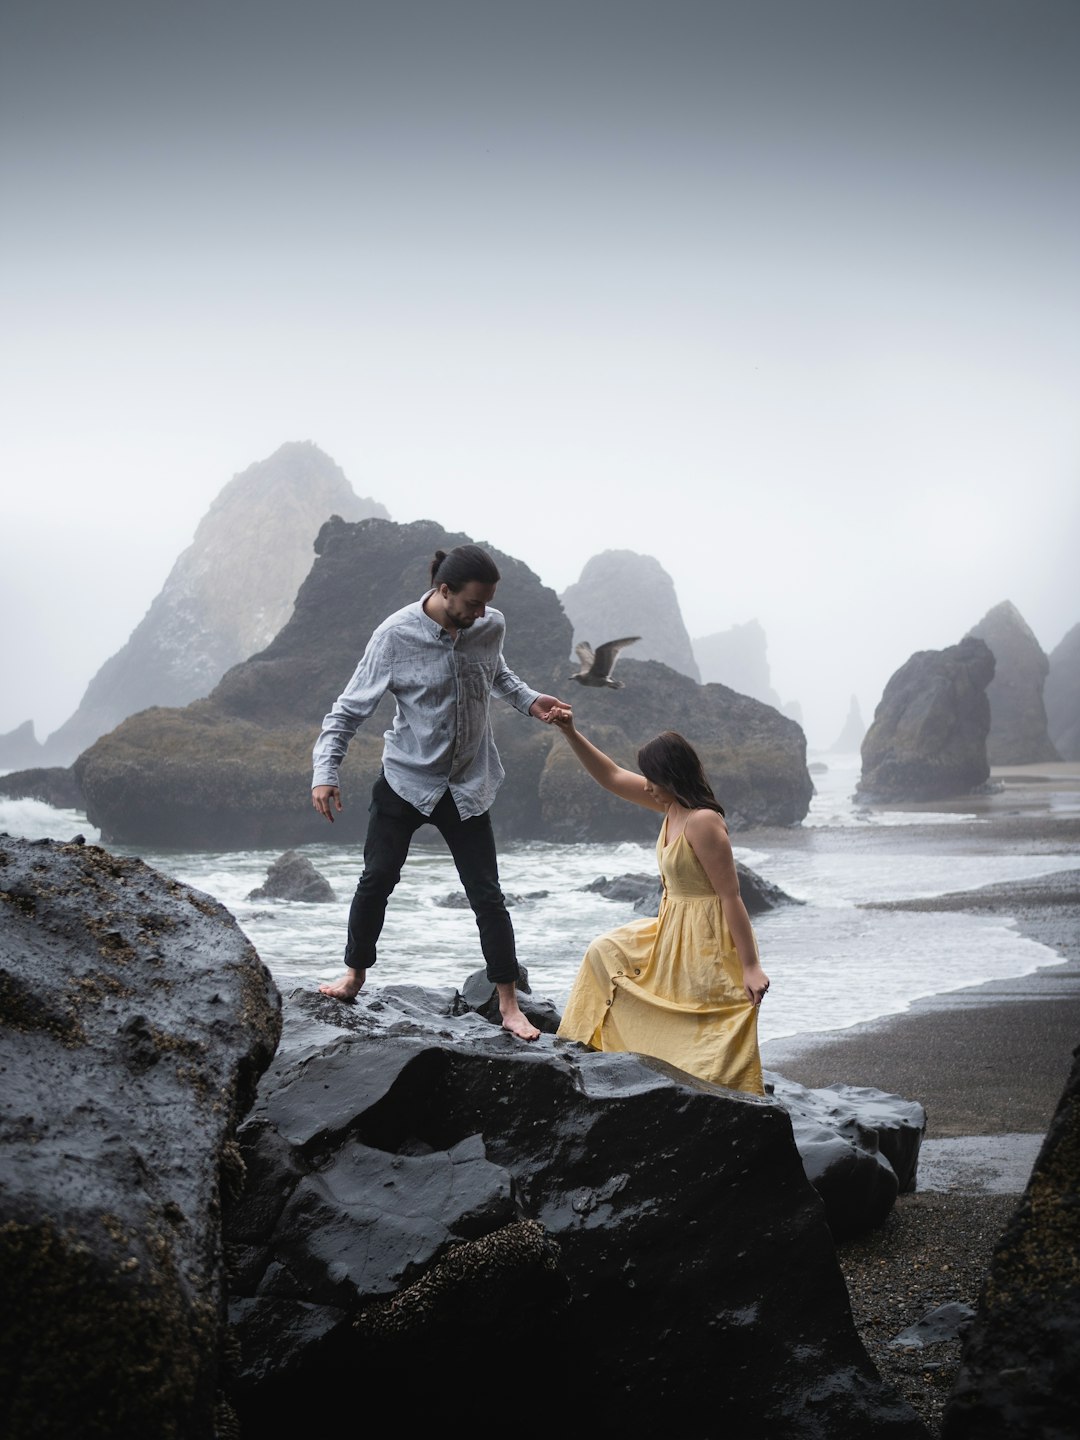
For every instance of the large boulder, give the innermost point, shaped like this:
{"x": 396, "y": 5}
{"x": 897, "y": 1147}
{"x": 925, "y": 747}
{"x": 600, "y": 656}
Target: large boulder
{"x": 1062, "y": 696}
{"x": 755, "y": 757}
{"x": 135, "y": 1019}
{"x": 226, "y": 597}
{"x": 234, "y": 770}
{"x": 1018, "y": 732}
{"x": 292, "y": 876}
{"x": 928, "y": 737}
{"x": 623, "y": 593}
{"x": 1019, "y": 1374}
{"x": 420, "y": 1183}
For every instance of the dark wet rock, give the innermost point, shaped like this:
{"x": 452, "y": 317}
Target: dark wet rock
{"x": 135, "y": 1019}
{"x": 20, "y": 747}
{"x": 1020, "y": 1371}
{"x": 458, "y": 900}
{"x": 53, "y": 784}
{"x": 623, "y": 593}
{"x": 1062, "y": 696}
{"x": 415, "y": 1171}
{"x": 928, "y": 739}
{"x": 946, "y": 1322}
{"x": 1018, "y": 730}
{"x": 234, "y": 770}
{"x": 754, "y": 757}
{"x": 226, "y": 597}
{"x": 479, "y": 994}
{"x": 644, "y": 891}
{"x": 860, "y": 1148}
{"x": 292, "y": 876}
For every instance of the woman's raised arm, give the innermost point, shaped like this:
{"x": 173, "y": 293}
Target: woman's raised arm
{"x": 624, "y": 783}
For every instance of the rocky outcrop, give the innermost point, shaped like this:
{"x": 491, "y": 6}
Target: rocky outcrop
{"x": 853, "y": 732}
{"x": 292, "y": 876}
{"x": 226, "y": 597}
{"x": 928, "y": 739}
{"x": 644, "y": 891}
{"x": 53, "y": 785}
{"x": 1018, "y": 732}
{"x": 1062, "y": 696}
{"x": 738, "y": 658}
{"x": 755, "y": 758}
{"x": 1020, "y": 1371}
{"x": 859, "y": 1148}
{"x": 234, "y": 770}
{"x": 416, "y": 1173}
{"x": 135, "y": 1019}
{"x": 623, "y": 593}
{"x": 20, "y": 747}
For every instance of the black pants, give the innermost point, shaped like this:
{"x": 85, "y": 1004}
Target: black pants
{"x": 392, "y": 822}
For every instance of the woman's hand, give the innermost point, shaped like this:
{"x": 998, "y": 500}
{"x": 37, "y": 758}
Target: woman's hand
{"x": 755, "y": 983}
{"x": 560, "y": 715}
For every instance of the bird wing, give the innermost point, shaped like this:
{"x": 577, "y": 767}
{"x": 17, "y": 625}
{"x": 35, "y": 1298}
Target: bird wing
{"x": 608, "y": 653}
{"x": 585, "y": 655}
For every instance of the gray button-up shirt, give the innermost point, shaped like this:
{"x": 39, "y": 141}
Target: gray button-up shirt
{"x": 441, "y": 736}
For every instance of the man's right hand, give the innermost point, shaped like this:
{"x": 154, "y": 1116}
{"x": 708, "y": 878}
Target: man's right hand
{"x": 326, "y": 799}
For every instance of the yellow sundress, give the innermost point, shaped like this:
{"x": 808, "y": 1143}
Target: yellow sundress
{"x": 672, "y": 986}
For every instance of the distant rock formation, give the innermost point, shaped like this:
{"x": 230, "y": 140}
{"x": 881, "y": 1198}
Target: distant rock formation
{"x": 928, "y": 739}
{"x": 226, "y": 597}
{"x": 235, "y": 769}
{"x": 623, "y": 593}
{"x": 738, "y": 658}
{"x": 135, "y": 1019}
{"x": 20, "y": 748}
{"x": 1018, "y": 731}
{"x": 851, "y": 736}
{"x": 1062, "y": 696}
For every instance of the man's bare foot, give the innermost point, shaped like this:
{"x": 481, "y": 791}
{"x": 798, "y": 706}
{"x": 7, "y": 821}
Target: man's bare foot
{"x": 513, "y": 1018}
{"x": 348, "y": 987}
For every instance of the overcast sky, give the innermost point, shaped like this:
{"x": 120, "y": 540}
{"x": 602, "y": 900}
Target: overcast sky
{"x": 784, "y": 294}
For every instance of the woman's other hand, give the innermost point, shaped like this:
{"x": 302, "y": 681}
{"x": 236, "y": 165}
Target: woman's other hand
{"x": 755, "y": 983}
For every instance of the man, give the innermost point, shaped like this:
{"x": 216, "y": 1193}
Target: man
{"x": 441, "y": 658}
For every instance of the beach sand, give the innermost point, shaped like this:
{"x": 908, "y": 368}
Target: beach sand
{"x": 988, "y": 1062}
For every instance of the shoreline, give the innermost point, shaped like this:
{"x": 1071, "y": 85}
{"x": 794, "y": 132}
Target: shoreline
{"x": 989, "y": 1062}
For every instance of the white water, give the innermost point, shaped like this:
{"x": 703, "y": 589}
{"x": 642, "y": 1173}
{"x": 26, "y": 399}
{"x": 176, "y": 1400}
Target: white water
{"x": 831, "y": 964}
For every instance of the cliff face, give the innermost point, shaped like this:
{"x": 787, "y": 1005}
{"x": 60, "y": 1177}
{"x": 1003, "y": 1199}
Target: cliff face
{"x": 1062, "y": 695}
{"x": 623, "y": 593}
{"x": 928, "y": 739}
{"x": 1018, "y": 730}
{"x": 226, "y": 597}
{"x": 235, "y": 769}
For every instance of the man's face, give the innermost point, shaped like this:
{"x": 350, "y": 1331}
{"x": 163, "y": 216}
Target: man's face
{"x": 467, "y": 604}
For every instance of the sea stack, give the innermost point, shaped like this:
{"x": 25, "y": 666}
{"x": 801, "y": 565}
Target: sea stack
{"x": 1062, "y": 696}
{"x": 1018, "y": 730}
{"x": 928, "y": 738}
{"x": 623, "y": 593}
{"x": 226, "y": 597}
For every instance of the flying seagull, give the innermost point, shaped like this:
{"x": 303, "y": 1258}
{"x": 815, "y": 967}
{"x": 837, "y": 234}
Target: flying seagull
{"x": 596, "y": 669}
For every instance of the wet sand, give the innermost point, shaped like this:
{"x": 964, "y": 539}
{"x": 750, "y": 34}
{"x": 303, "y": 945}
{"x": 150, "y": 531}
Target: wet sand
{"x": 988, "y": 1062}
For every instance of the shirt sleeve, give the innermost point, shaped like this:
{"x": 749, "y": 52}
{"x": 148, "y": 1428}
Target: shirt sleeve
{"x": 352, "y": 707}
{"x": 507, "y": 686}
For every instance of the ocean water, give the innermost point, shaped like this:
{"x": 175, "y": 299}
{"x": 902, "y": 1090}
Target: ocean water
{"x": 831, "y": 963}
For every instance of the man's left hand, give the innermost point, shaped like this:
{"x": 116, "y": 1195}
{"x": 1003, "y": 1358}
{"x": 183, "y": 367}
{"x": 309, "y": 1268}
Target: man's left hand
{"x": 543, "y": 705}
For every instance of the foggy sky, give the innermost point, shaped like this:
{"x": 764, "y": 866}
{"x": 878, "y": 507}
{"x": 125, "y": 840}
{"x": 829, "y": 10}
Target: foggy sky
{"x": 784, "y": 294}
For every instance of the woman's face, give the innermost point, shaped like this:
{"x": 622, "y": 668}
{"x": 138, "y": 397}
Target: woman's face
{"x": 658, "y": 793}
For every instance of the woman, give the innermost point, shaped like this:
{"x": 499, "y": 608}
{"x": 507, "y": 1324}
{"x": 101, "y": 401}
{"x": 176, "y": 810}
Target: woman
{"x": 683, "y": 987}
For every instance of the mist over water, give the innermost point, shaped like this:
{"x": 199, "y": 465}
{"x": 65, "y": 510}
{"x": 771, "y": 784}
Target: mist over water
{"x": 831, "y": 964}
